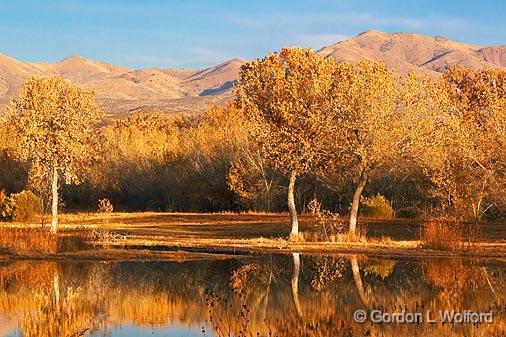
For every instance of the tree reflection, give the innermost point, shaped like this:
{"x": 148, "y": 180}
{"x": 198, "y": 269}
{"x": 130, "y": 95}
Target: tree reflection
{"x": 355, "y": 269}
{"x": 251, "y": 296}
{"x": 295, "y": 283}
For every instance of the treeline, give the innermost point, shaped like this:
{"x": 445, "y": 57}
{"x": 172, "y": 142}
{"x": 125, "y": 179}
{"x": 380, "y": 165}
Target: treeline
{"x": 194, "y": 163}
{"x": 299, "y": 124}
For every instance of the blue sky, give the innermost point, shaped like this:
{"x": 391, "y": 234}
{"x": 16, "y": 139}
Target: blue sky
{"x": 192, "y": 34}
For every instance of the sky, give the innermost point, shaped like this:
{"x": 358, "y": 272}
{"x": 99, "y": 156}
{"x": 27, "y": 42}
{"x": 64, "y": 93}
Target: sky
{"x": 197, "y": 34}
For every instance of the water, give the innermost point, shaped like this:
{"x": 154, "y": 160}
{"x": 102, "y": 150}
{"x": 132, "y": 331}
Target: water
{"x": 262, "y": 295}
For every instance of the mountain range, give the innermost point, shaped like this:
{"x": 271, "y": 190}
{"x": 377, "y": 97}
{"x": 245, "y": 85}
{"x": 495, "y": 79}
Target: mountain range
{"x": 121, "y": 90}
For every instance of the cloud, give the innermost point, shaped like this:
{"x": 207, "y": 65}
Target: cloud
{"x": 317, "y": 41}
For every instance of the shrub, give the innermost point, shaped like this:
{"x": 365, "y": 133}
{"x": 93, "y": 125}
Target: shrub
{"x": 22, "y": 206}
{"x": 325, "y": 225}
{"x": 443, "y": 234}
{"x": 377, "y": 207}
{"x": 105, "y": 206}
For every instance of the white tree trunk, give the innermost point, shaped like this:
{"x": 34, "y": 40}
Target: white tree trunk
{"x": 291, "y": 206}
{"x": 356, "y": 202}
{"x": 54, "y": 206}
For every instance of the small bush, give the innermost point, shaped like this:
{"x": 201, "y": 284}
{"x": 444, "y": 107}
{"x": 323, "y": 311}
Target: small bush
{"x": 105, "y": 206}
{"x": 325, "y": 225}
{"x": 377, "y": 207}
{"x": 22, "y": 206}
{"x": 443, "y": 234}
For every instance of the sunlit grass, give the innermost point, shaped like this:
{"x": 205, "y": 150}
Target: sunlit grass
{"x": 28, "y": 240}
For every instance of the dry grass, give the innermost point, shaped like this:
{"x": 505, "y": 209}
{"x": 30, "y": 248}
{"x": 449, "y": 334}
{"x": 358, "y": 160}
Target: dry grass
{"x": 24, "y": 240}
{"x": 442, "y": 234}
{"x": 139, "y": 232}
{"x": 311, "y": 237}
{"x": 356, "y": 237}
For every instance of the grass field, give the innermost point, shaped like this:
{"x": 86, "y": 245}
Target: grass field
{"x": 157, "y": 234}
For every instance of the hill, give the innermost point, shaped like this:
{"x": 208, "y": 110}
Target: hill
{"x": 408, "y": 52}
{"x": 121, "y": 90}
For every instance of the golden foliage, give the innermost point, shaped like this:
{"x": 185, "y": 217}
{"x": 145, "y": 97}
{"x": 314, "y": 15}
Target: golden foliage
{"x": 377, "y": 207}
{"x": 55, "y": 122}
{"x": 342, "y": 126}
{"x": 451, "y": 274}
{"x": 288, "y": 98}
{"x": 21, "y": 207}
{"x": 381, "y": 268}
{"x": 469, "y": 141}
{"x": 326, "y": 225}
{"x": 105, "y": 206}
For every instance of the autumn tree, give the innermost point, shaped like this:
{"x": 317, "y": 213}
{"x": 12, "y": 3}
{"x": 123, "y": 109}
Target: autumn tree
{"x": 56, "y": 123}
{"x": 288, "y": 98}
{"x": 212, "y": 146}
{"x": 367, "y": 115}
{"x": 250, "y": 177}
{"x": 471, "y": 170}
{"x": 13, "y": 173}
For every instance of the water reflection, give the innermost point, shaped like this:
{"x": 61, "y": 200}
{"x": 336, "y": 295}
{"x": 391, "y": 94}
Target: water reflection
{"x": 289, "y": 295}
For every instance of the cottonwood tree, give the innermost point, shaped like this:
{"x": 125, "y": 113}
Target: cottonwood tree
{"x": 472, "y": 168}
{"x": 56, "y": 123}
{"x": 249, "y": 177}
{"x": 288, "y": 98}
{"x": 367, "y": 132}
{"x": 253, "y": 180}
{"x": 421, "y": 132}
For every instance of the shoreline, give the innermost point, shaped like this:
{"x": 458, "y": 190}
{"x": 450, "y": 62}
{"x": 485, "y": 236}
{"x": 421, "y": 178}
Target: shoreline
{"x": 169, "y": 236}
{"x": 178, "y": 250}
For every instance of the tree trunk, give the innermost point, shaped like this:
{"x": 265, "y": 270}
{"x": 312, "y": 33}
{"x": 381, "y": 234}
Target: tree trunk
{"x": 291, "y": 206}
{"x": 295, "y": 283}
{"x": 356, "y": 202}
{"x": 54, "y": 206}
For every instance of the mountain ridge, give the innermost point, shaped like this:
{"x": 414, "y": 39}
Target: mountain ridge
{"x": 121, "y": 90}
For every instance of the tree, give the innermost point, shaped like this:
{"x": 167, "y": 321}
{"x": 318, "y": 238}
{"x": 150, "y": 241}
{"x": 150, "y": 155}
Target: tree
{"x": 288, "y": 98}
{"x": 472, "y": 165}
{"x": 250, "y": 177}
{"x": 56, "y": 123}
{"x": 368, "y": 116}
{"x": 13, "y": 173}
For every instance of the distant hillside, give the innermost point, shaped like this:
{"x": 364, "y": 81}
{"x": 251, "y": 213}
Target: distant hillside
{"x": 408, "y": 52}
{"x": 121, "y": 90}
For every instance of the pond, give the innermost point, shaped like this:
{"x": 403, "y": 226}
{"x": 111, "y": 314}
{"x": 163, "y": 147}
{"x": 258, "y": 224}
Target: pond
{"x": 258, "y": 295}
